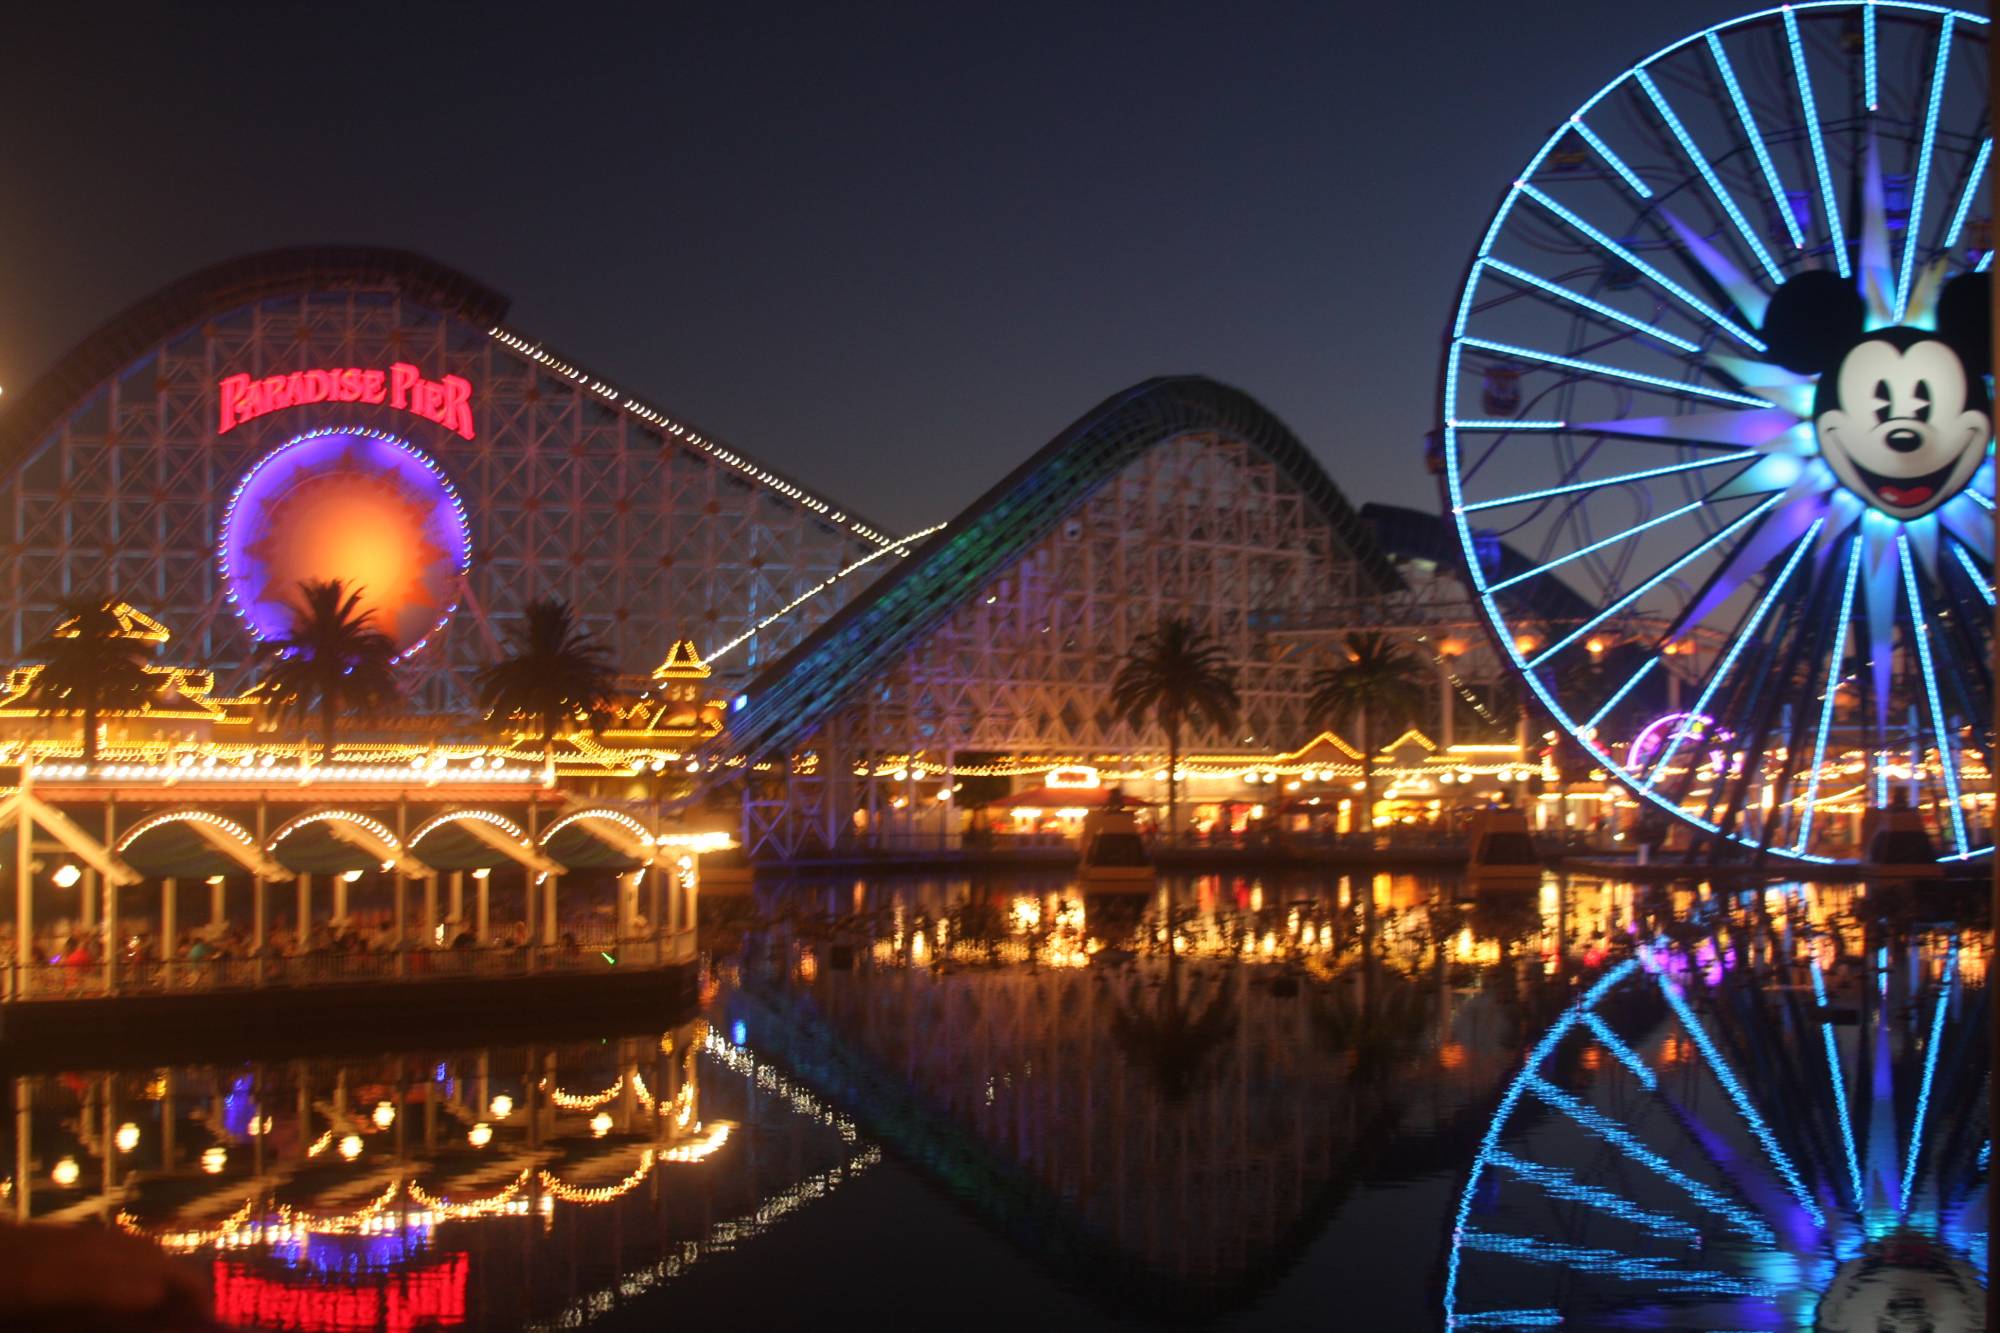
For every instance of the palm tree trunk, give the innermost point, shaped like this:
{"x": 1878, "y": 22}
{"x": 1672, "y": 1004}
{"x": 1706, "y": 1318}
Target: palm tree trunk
{"x": 90, "y": 734}
{"x": 329, "y": 716}
{"x": 1367, "y": 776}
{"x": 1173, "y": 785}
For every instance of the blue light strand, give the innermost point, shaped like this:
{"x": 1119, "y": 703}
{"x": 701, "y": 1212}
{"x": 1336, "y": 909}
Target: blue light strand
{"x": 1650, "y": 583}
{"x": 1504, "y": 424}
{"x": 1930, "y": 1072}
{"x": 1714, "y": 182}
{"x": 1489, "y": 1143}
{"x": 1978, "y": 579}
{"x": 1832, "y": 691}
{"x": 1617, "y": 372}
{"x": 1972, "y": 180}
{"x": 1613, "y": 1263}
{"x": 1726, "y": 1076}
{"x": 1921, "y": 632}
{"x": 1600, "y": 544}
{"x": 1977, "y": 498}
{"x": 1535, "y": 1318}
{"x": 1838, "y": 1077}
{"x": 1756, "y": 139}
{"x": 1736, "y": 647}
{"x": 1563, "y": 293}
{"x": 1619, "y": 1137}
{"x": 1985, "y": 262}
{"x": 1624, "y": 1054}
{"x": 1713, "y": 315}
{"x": 1921, "y": 185}
{"x": 1619, "y": 697}
{"x": 1870, "y": 95}
{"x": 1611, "y": 159}
{"x": 1837, "y": 238}
{"x": 1619, "y": 480}
{"x": 1560, "y": 1184}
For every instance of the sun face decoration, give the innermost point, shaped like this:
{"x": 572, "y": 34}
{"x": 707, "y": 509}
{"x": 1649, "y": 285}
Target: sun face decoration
{"x": 351, "y": 504}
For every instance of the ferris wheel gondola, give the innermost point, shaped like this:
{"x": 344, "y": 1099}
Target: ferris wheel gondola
{"x": 1718, "y": 366}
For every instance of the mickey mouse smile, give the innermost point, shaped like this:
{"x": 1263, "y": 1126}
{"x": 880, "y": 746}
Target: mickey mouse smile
{"x": 1905, "y": 492}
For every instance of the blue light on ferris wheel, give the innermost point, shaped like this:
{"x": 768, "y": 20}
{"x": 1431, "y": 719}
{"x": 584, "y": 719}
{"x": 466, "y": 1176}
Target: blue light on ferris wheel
{"x": 1714, "y": 182}
{"x": 1561, "y": 292}
{"x": 1832, "y": 692}
{"x": 1750, "y": 132}
{"x": 1930, "y": 1072}
{"x": 1598, "y": 545}
{"x": 1619, "y": 696}
{"x": 1611, "y": 159}
{"x": 1869, "y": 96}
{"x": 1839, "y": 1081}
{"x": 1920, "y": 625}
{"x": 1714, "y": 316}
{"x": 1965, "y": 200}
{"x": 1921, "y": 185}
{"x": 1836, "y": 237}
{"x": 1616, "y": 372}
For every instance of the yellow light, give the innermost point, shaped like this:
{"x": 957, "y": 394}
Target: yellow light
{"x": 65, "y": 1173}
{"x": 350, "y": 1146}
{"x": 502, "y": 1106}
{"x": 214, "y": 1158}
{"x": 66, "y": 876}
{"x": 479, "y": 1135}
{"x": 351, "y": 875}
{"x": 600, "y": 1124}
{"x": 385, "y": 1115}
{"x": 1525, "y": 643}
{"x": 1595, "y": 645}
{"x": 127, "y": 1137}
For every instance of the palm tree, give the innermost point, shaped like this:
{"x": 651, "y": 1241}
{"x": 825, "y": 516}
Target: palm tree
{"x": 1377, "y": 680}
{"x": 1177, "y": 1038}
{"x": 90, "y": 666}
{"x": 332, "y": 658}
{"x": 553, "y": 670}
{"x": 1176, "y": 673}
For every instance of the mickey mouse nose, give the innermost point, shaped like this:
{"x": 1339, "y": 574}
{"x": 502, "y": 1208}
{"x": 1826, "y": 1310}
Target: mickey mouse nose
{"x": 1904, "y": 441}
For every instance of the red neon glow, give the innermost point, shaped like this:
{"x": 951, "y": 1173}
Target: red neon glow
{"x": 397, "y": 1303}
{"x": 447, "y": 401}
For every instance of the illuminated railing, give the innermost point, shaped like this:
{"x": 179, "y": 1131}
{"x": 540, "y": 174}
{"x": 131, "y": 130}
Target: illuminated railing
{"x": 54, "y": 981}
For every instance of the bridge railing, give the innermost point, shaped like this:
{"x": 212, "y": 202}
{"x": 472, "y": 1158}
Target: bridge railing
{"x": 82, "y": 981}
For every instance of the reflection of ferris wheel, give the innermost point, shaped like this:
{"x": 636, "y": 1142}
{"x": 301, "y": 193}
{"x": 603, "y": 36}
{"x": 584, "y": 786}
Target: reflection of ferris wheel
{"x": 1709, "y": 369}
{"x": 1736, "y": 1133}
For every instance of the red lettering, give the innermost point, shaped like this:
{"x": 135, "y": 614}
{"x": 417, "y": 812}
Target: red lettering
{"x": 402, "y": 378}
{"x": 277, "y": 393}
{"x": 372, "y": 386}
{"x": 350, "y": 385}
{"x": 433, "y": 404}
{"x": 232, "y": 394}
{"x": 295, "y": 386}
{"x": 319, "y": 386}
{"x": 457, "y": 405}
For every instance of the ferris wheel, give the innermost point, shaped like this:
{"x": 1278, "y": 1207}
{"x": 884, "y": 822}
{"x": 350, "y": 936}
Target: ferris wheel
{"x": 1754, "y": 1128}
{"x": 1718, "y": 367}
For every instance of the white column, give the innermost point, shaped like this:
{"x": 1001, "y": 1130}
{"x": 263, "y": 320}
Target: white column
{"x": 218, "y": 903}
{"x": 458, "y": 896}
{"x": 169, "y": 930}
{"x": 340, "y": 897}
{"x": 258, "y": 934}
{"x": 430, "y": 910}
{"x": 481, "y": 925}
{"x": 305, "y": 909}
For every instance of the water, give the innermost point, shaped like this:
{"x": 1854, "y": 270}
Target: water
{"x": 1241, "y": 1102}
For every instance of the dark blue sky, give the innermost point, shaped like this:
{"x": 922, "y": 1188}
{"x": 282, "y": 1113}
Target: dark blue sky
{"x": 889, "y": 249}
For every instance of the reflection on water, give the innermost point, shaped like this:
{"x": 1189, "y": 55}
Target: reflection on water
{"x": 1599, "y": 1104}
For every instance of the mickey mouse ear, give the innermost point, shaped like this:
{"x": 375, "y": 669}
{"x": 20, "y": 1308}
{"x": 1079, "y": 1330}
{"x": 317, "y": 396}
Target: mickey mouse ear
{"x": 1814, "y": 318}
{"x": 1965, "y": 317}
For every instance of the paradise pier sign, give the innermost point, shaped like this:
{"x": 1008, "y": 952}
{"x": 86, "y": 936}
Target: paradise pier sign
{"x": 447, "y": 401}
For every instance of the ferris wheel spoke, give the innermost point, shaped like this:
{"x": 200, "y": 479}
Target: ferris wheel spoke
{"x": 1708, "y": 176}
{"x": 1739, "y": 1096}
{"x": 1739, "y": 458}
{"x": 1610, "y": 159}
{"x": 1561, "y": 1184}
{"x": 1618, "y": 695}
{"x": 1917, "y": 1126}
{"x": 1837, "y": 1078}
{"x": 1591, "y": 304}
{"x": 1829, "y": 201}
{"x": 1920, "y": 631}
{"x": 1735, "y": 649}
{"x": 1603, "y": 371}
{"x": 1870, "y": 97}
{"x": 1836, "y": 661}
{"x": 1979, "y": 580}
{"x": 1756, "y": 141}
{"x": 1674, "y": 567}
{"x": 1966, "y": 198}
{"x": 1597, "y": 545}
{"x": 1652, "y": 274}
{"x": 1662, "y": 1271}
{"x": 1620, "y": 1052}
{"x": 1921, "y": 185}
{"x": 1710, "y": 1200}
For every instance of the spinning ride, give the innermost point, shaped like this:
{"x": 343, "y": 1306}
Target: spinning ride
{"x": 1719, "y": 366}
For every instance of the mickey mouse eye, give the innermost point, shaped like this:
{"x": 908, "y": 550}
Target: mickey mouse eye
{"x": 1923, "y": 396}
{"x": 1883, "y": 403}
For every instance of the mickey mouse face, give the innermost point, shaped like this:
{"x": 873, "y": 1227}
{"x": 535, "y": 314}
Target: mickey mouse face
{"x": 1902, "y": 415}
{"x": 1898, "y": 427}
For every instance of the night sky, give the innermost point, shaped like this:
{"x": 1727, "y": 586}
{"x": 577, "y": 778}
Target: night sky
{"x": 888, "y": 249}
